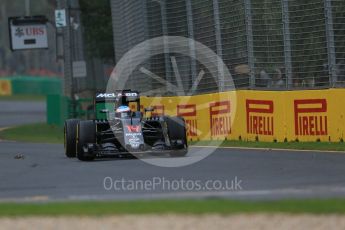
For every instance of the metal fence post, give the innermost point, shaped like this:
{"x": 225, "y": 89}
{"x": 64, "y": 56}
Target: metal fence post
{"x": 191, "y": 43}
{"x": 330, "y": 43}
{"x": 27, "y": 7}
{"x": 77, "y": 42}
{"x": 166, "y": 47}
{"x": 67, "y": 50}
{"x": 148, "y": 84}
{"x": 250, "y": 41}
{"x": 218, "y": 33}
{"x": 287, "y": 43}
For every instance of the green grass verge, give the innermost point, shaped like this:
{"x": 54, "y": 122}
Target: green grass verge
{"x": 330, "y": 146}
{"x": 172, "y": 206}
{"x": 37, "y": 133}
{"x": 23, "y": 98}
{"x": 43, "y": 133}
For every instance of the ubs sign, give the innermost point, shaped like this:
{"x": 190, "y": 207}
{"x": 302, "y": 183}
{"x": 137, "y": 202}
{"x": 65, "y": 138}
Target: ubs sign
{"x": 28, "y": 33}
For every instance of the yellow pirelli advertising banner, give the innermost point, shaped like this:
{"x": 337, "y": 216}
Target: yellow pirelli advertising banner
{"x": 208, "y": 116}
{"x": 310, "y": 115}
{"x": 5, "y": 87}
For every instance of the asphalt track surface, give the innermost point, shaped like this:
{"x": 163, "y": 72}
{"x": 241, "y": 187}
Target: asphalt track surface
{"x": 18, "y": 112}
{"x": 44, "y": 173}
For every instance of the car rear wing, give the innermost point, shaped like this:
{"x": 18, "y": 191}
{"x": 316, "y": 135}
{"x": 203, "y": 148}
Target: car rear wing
{"x": 128, "y": 95}
{"x": 105, "y": 97}
{"x": 107, "y": 101}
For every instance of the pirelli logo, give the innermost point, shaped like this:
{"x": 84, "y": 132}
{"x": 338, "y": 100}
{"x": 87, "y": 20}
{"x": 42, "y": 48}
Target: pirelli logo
{"x": 158, "y": 110}
{"x": 220, "y": 118}
{"x": 260, "y": 117}
{"x": 311, "y": 117}
{"x": 189, "y": 113}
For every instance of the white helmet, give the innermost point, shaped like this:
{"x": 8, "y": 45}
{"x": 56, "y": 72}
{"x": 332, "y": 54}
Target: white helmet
{"x": 123, "y": 109}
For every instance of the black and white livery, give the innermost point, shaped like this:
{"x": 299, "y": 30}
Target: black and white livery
{"x": 125, "y": 131}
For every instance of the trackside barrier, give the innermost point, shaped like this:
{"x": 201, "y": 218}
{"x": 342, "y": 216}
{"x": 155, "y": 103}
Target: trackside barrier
{"x": 60, "y": 108}
{"x": 30, "y": 85}
{"x": 309, "y": 115}
{"x": 5, "y": 87}
{"x": 36, "y": 85}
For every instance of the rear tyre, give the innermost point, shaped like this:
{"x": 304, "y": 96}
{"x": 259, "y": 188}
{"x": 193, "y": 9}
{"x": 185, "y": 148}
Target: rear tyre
{"x": 70, "y": 130}
{"x": 86, "y": 134}
{"x": 177, "y": 132}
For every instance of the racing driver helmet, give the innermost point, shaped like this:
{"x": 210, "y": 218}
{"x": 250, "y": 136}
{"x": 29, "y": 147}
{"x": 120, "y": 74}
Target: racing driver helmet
{"x": 123, "y": 111}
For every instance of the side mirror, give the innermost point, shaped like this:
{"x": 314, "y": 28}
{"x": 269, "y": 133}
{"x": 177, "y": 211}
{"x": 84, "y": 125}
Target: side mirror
{"x": 104, "y": 111}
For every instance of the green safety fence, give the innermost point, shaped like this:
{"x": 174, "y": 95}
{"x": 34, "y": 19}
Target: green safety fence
{"x": 36, "y": 85}
{"x": 60, "y": 108}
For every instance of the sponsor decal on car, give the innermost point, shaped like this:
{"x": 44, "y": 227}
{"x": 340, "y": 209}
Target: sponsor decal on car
{"x": 132, "y": 134}
{"x": 134, "y": 142}
{"x": 106, "y": 95}
{"x": 128, "y": 94}
{"x": 133, "y": 128}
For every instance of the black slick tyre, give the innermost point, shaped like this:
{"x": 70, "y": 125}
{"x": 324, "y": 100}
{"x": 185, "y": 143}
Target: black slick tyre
{"x": 86, "y": 134}
{"x": 70, "y": 130}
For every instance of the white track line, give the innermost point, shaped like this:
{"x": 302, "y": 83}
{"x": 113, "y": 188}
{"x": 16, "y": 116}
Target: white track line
{"x": 4, "y": 128}
{"x": 269, "y": 149}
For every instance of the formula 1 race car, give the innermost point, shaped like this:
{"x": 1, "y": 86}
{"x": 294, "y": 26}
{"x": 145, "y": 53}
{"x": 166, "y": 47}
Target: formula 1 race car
{"x": 125, "y": 131}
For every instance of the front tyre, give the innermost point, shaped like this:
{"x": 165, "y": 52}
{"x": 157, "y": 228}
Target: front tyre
{"x": 86, "y": 134}
{"x": 70, "y": 131}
